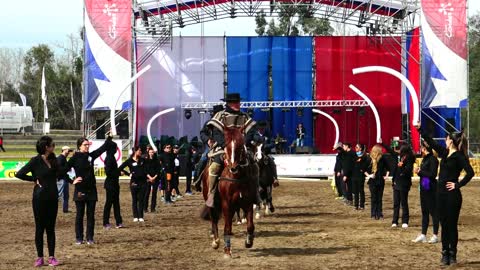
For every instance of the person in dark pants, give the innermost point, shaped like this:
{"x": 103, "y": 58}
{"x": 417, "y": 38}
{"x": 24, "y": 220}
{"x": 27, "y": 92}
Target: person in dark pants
{"x": 362, "y": 161}
{"x": 176, "y": 174}
{"x": 112, "y": 188}
{"x": 138, "y": 181}
{"x": 376, "y": 174}
{"x": 401, "y": 183}
{"x": 1, "y": 144}
{"x": 85, "y": 192}
{"x": 153, "y": 170}
{"x": 449, "y": 197}
{"x": 348, "y": 161}
{"x": 428, "y": 188}
{"x": 338, "y": 169}
{"x": 191, "y": 155}
{"x": 168, "y": 164}
{"x": 63, "y": 184}
{"x": 44, "y": 171}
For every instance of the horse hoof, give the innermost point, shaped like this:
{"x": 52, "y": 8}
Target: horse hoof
{"x": 244, "y": 220}
{"x": 239, "y": 223}
{"x": 254, "y": 206}
{"x": 257, "y": 216}
{"x": 215, "y": 243}
{"x": 267, "y": 211}
{"x": 227, "y": 256}
{"x": 248, "y": 245}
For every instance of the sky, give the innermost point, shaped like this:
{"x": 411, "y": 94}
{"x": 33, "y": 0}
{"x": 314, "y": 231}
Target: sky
{"x": 50, "y": 21}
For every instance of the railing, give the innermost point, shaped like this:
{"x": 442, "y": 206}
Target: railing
{"x": 92, "y": 134}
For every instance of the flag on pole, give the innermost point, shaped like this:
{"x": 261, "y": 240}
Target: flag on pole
{"x": 24, "y": 103}
{"x": 44, "y": 95}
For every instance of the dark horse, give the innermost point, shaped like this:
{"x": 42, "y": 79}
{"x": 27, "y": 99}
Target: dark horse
{"x": 266, "y": 180}
{"x": 236, "y": 189}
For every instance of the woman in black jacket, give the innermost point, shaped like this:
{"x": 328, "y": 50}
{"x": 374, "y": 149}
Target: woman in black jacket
{"x": 376, "y": 174}
{"x": 360, "y": 166}
{"x": 44, "y": 173}
{"x": 401, "y": 182}
{"x": 138, "y": 181}
{"x": 428, "y": 188}
{"x": 85, "y": 192}
{"x": 112, "y": 188}
{"x": 152, "y": 167}
{"x": 449, "y": 197}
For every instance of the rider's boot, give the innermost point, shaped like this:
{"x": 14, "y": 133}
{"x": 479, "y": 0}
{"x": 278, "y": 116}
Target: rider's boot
{"x": 212, "y": 183}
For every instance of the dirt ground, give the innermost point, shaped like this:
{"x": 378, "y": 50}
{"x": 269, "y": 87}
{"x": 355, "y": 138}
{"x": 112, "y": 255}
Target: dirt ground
{"x": 309, "y": 230}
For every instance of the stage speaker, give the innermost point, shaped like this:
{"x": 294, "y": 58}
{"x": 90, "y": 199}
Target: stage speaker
{"x": 303, "y": 150}
{"x": 122, "y": 129}
{"x": 100, "y": 133}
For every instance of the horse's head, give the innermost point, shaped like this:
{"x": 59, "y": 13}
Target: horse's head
{"x": 235, "y": 150}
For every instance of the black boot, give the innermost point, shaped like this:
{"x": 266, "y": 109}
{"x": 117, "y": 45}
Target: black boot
{"x": 453, "y": 256}
{"x": 445, "y": 257}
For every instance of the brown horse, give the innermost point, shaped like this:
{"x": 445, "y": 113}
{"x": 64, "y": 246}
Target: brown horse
{"x": 237, "y": 189}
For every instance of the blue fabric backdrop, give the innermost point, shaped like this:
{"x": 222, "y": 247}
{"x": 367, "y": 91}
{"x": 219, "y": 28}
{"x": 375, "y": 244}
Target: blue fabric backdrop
{"x": 292, "y": 80}
{"x": 446, "y": 113}
{"x": 247, "y": 69}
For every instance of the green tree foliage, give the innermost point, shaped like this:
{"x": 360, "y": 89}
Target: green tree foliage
{"x": 474, "y": 77}
{"x": 60, "y": 77}
{"x": 293, "y": 20}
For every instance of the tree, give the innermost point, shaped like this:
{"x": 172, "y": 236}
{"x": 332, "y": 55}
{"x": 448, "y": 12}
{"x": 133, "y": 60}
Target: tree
{"x": 474, "y": 76}
{"x": 293, "y": 20}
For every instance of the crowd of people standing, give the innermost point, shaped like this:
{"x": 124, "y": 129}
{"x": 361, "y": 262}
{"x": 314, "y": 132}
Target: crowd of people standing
{"x": 439, "y": 199}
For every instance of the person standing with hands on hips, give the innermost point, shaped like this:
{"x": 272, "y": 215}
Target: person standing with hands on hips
{"x": 449, "y": 197}
{"x": 85, "y": 192}
{"x": 44, "y": 171}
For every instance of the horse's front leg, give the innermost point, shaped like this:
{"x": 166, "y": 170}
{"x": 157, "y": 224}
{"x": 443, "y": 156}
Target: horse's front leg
{"x": 250, "y": 227}
{"x": 228, "y": 213}
{"x": 215, "y": 217}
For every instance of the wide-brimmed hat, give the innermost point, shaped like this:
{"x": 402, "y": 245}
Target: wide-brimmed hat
{"x": 232, "y": 97}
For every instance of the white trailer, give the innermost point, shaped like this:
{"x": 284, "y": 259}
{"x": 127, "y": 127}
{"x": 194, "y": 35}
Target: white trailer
{"x": 15, "y": 118}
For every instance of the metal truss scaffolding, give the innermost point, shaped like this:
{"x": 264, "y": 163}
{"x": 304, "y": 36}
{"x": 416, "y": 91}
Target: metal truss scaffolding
{"x": 279, "y": 104}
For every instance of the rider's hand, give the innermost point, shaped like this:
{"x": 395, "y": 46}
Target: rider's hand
{"x": 276, "y": 183}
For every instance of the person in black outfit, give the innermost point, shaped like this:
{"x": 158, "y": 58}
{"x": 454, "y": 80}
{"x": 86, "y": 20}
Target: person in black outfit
{"x": 348, "y": 161}
{"x": 401, "y": 183}
{"x": 167, "y": 164}
{"x": 449, "y": 197}
{"x": 152, "y": 167}
{"x": 362, "y": 161}
{"x": 138, "y": 181}
{"x": 428, "y": 187}
{"x": 176, "y": 174}
{"x": 190, "y": 156}
{"x": 112, "y": 188}
{"x": 44, "y": 171}
{"x": 376, "y": 174}
{"x": 85, "y": 192}
{"x": 338, "y": 169}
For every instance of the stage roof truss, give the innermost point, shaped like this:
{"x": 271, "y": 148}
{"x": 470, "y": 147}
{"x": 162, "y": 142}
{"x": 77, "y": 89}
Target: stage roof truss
{"x": 396, "y": 16}
{"x": 279, "y": 104}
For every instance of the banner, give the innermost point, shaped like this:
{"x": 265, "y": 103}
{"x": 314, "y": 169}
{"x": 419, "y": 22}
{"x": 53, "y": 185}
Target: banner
{"x": 188, "y": 70}
{"x": 412, "y": 56}
{"x": 107, "y": 54}
{"x": 305, "y": 165}
{"x": 335, "y": 57}
{"x": 444, "y": 50}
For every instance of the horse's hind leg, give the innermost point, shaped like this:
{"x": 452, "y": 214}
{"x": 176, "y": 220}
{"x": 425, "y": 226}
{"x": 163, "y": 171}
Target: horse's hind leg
{"x": 270, "y": 200}
{"x": 250, "y": 228}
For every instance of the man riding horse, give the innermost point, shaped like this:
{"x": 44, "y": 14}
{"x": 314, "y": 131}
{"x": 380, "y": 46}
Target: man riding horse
{"x": 263, "y": 137}
{"x": 230, "y": 117}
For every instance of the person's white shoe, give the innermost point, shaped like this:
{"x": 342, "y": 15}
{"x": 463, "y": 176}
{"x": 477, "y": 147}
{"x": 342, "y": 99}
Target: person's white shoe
{"x": 394, "y": 225}
{"x": 135, "y": 220}
{"x": 420, "y": 239}
{"x": 141, "y": 220}
{"x": 404, "y": 225}
{"x": 433, "y": 239}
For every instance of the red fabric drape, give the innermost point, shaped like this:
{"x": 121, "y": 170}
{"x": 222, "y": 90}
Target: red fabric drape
{"x": 335, "y": 58}
{"x": 413, "y": 60}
